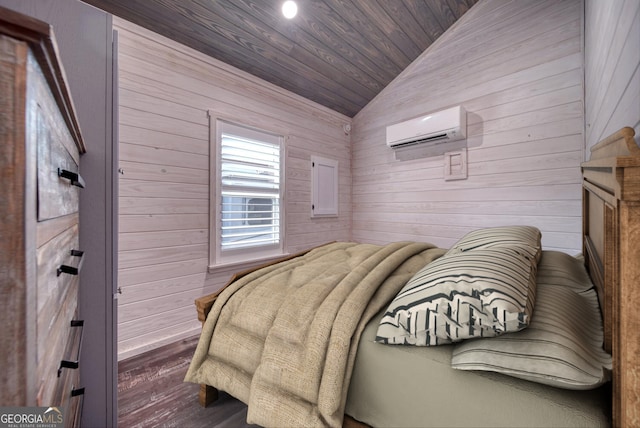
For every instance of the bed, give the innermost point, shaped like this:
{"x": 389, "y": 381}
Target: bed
{"x": 336, "y": 348}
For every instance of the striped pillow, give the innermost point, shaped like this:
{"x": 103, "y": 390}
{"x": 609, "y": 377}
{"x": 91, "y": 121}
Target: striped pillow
{"x": 561, "y": 347}
{"x": 480, "y": 293}
{"x": 526, "y": 239}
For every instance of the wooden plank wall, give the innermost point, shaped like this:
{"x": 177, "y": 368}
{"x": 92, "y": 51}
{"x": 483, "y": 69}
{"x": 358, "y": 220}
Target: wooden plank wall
{"x": 517, "y": 67}
{"x": 612, "y": 68}
{"x": 165, "y": 92}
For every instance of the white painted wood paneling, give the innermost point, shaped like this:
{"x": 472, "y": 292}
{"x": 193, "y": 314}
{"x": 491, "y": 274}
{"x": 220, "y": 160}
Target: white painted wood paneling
{"x": 612, "y": 68}
{"x": 517, "y": 67}
{"x": 165, "y": 92}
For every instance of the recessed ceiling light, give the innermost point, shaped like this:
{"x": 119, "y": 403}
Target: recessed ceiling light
{"x": 289, "y": 9}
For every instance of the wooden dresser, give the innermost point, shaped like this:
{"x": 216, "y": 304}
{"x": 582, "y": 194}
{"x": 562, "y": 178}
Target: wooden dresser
{"x": 40, "y": 260}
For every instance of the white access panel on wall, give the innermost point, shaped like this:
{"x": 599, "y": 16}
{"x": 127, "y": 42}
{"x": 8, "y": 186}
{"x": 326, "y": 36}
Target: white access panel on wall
{"x": 324, "y": 187}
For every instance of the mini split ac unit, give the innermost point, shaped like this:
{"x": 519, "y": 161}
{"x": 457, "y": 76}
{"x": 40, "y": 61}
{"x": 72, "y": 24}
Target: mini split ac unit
{"x": 429, "y": 129}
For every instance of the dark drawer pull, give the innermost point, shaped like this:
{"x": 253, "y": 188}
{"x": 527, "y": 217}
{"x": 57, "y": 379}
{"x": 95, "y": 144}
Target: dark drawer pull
{"x": 67, "y": 269}
{"x": 77, "y": 253}
{"x": 77, "y": 391}
{"x": 74, "y": 177}
{"x": 71, "y": 270}
{"x": 74, "y": 363}
{"x": 67, "y": 364}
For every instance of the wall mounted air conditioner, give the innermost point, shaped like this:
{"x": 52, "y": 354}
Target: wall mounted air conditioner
{"x": 429, "y": 129}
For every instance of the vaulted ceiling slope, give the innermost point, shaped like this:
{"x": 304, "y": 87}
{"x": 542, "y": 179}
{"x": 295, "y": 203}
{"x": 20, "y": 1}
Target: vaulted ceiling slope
{"x": 338, "y": 53}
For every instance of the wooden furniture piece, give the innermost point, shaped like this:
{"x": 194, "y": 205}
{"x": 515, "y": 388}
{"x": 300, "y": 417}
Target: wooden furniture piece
{"x": 40, "y": 259}
{"x": 611, "y": 244}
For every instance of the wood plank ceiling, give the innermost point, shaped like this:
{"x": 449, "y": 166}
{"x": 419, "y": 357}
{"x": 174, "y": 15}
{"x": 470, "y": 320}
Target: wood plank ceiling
{"x": 338, "y": 53}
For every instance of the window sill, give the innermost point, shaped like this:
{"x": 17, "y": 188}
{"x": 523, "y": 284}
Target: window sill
{"x": 245, "y": 264}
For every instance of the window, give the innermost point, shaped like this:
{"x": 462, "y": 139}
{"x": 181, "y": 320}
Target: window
{"x": 260, "y": 211}
{"x": 247, "y": 215}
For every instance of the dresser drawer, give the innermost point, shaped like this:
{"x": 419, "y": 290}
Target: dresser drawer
{"x": 54, "y": 258}
{"x": 68, "y": 393}
{"x": 56, "y": 299}
{"x": 70, "y": 399}
{"x": 58, "y": 172}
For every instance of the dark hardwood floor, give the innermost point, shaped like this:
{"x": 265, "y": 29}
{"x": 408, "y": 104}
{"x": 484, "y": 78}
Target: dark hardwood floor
{"x": 151, "y": 393}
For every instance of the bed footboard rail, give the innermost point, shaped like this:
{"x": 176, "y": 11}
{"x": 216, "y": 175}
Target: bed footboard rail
{"x": 207, "y": 393}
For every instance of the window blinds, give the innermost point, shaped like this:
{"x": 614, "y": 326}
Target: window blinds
{"x": 250, "y": 188}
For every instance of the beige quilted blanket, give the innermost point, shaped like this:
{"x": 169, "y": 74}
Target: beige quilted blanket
{"x": 283, "y": 338}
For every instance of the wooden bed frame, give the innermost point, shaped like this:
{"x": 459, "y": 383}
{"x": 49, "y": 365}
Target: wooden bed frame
{"x": 611, "y": 246}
